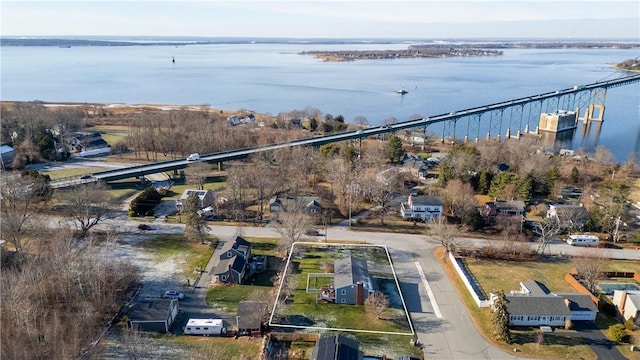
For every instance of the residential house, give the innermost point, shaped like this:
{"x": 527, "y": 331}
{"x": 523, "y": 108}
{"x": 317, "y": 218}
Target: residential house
{"x": 7, "y": 154}
{"x": 234, "y": 262}
{"x": 569, "y": 216}
{"x": 153, "y": 315}
{"x": 628, "y": 303}
{"x": 351, "y": 281}
{"x": 504, "y": 208}
{"x": 234, "y": 120}
{"x": 250, "y": 316}
{"x": 310, "y": 204}
{"x": 336, "y": 347}
{"x": 89, "y": 144}
{"x": 248, "y": 118}
{"x": 423, "y": 207}
{"x": 415, "y": 167}
{"x": 206, "y": 197}
{"x": 535, "y": 305}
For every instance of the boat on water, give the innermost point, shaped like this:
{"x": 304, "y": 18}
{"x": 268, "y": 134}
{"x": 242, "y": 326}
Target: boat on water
{"x": 401, "y": 91}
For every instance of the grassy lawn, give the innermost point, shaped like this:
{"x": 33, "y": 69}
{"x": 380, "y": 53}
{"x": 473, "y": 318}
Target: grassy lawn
{"x": 219, "y": 347}
{"x": 191, "y": 255}
{"x": 495, "y": 275}
{"x": 305, "y": 309}
{"x": 226, "y": 298}
{"x": 554, "y": 346}
{"x": 72, "y": 172}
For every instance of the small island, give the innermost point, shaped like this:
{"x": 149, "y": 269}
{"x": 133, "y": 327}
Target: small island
{"x": 629, "y": 65}
{"x": 411, "y": 52}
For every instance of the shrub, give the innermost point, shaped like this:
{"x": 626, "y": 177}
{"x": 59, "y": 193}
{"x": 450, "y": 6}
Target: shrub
{"x": 618, "y": 333}
{"x": 568, "y": 324}
{"x": 630, "y": 324}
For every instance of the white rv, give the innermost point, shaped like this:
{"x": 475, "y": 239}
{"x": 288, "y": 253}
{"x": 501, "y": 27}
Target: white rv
{"x": 205, "y": 327}
{"x": 583, "y": 240}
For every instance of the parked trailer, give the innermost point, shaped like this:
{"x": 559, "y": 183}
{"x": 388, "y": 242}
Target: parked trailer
{"x": 205, "y": 327}
{"x": 583, "y": 240}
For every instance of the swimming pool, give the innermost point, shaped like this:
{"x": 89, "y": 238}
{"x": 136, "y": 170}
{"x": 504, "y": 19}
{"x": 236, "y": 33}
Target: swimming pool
{"x": 608, "y": 288}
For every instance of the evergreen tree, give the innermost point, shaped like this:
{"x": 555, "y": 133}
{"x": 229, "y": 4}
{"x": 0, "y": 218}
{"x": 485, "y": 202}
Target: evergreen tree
{"x": 393, "y": 150}
{"x": 500, "y": 319}
{"x": 575, "y": 175}
{"x": 484, "y": 181}
{"x": 195, "y": 225}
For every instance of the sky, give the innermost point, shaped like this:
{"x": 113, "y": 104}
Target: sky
{"x": 424, "y": 19}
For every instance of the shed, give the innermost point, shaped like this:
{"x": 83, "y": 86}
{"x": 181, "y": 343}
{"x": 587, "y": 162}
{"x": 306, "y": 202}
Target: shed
{"x": 153, "y": 315}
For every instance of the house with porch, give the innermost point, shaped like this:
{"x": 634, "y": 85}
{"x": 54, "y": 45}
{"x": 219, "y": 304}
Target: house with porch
{"x": 535, "y": 305}
{"x": 234, "y": 262}
{"x": 423, "y": 207}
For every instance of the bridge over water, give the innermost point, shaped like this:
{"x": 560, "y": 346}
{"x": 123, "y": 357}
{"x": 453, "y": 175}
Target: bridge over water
{"x": 512, "y": 118}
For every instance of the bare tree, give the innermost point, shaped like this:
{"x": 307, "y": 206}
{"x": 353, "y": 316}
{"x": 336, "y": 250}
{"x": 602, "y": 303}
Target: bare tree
{"x": 459, "y": 198}
{"x": 292, "y": 225}
{"x": 377, "y": 304}
{"x": 591, "y": 264}
{"x": 195, "y": 225}
{"x": 88, "y": 204}
{"x": 360, "y": 120}
{"x": 441, "y": 232}
{"x": 196, "y": 174}
{"x": 379, "y": 187}
{"x": 546, "y": 230}
{"x": 17, "y": 206}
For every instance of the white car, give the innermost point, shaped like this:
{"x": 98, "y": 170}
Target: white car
{"x": 170, "y": 294}
{"x": 193, "y": 157}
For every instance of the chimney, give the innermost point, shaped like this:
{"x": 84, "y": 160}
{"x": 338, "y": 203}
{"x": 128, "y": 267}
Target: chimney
{"x": 359, "y": 294}
{"x": 567, "y": 302}
{"x": 623, "y": 301}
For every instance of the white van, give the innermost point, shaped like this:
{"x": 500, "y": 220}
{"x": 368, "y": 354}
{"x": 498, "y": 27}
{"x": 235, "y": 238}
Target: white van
{"x": 193, "y": 157}
{"x": 205, "y": 327}
{"x": 583, "y": 240}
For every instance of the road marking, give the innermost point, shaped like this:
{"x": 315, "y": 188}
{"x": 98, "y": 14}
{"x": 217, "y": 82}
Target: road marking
{"x": 432, "y": 298}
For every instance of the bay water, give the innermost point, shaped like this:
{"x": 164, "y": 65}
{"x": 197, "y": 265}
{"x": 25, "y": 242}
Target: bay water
{"x": 274, "y": 78}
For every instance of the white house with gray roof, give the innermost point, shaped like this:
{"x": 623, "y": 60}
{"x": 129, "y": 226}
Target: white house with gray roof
{"x": 423, "y": 207}
{"x": 535, "y": 305}
{"x": 351, "y": 281}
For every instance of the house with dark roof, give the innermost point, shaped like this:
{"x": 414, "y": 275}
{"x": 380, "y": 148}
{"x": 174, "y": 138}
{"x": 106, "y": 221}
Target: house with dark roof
{"x": 535, "y": 305}
{"x": 352, "y": 282}
{"x": 233, "y": 264}
{"x": 89, "y": 144}
{"x": 423, "y": 207}
{"x": 336, "y": 347}
{"x": 250, "y": 316}
{"x": 153, "y": 315}
{"x": 504, "y": 208}
{"x": 310, "y": 204}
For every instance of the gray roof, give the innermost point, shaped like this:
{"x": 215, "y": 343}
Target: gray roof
{"x": 579, "y": 302}
{"x": 150, "y": 309}
{"x": 536, "y": 288}
{"x": 547, "y": 305}
{"x": 426, "y": 200}
{"x": 250, "y": 314}
{"x": 508, "y": 204}
{"x": 239, "y": 244}
{"x": 236, "y": 262}
{"x": 350, "y": 270}
{"x": 336, "y": 347}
